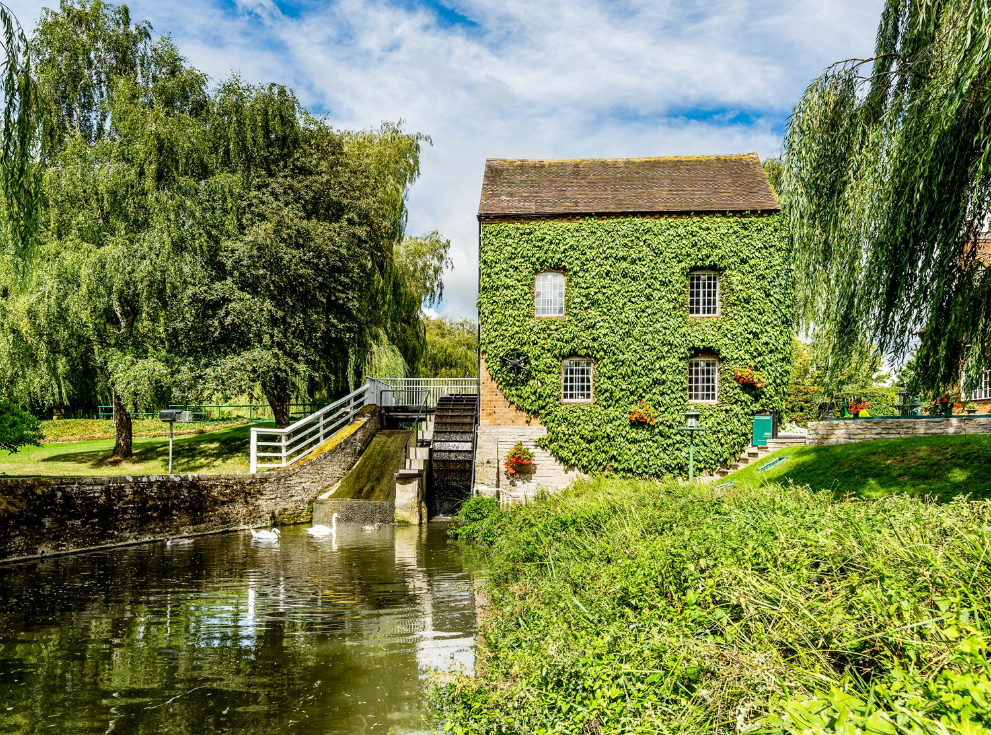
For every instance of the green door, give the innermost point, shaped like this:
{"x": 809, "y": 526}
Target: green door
{"x": 763, "y": 429}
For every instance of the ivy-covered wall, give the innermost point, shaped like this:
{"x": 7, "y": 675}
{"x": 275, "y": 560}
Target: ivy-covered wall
{"x": 626, "y": 306}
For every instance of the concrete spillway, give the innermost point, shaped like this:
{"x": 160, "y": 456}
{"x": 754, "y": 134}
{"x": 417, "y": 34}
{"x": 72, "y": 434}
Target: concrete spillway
{"x": 373, "y": 477}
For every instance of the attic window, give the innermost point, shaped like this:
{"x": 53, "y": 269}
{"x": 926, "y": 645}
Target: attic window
{"x": 703, "y": 293}
{"x": 576, "y": 380}
{"x": 549, "y": 294}
{"x": 703, "y": 380}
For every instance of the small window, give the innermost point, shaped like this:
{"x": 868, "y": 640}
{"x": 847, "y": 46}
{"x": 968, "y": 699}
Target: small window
{"x": 549, "y": 294}
{"x": 982, "y": 389}
{"x": 576, "y": 381}
{"x": 703, "y": 380}
{"x": 703, "y": 293}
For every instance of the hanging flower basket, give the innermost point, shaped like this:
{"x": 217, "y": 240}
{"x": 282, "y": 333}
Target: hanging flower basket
{"x": 943, "y": 405}
{"x": 749, "y": 378}
{"x": 644, "y": 414}
{"x": 518, "y": 458}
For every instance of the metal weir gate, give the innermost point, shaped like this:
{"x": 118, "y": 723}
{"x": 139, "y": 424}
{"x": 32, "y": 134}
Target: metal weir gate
{"x": 453, "y": 407}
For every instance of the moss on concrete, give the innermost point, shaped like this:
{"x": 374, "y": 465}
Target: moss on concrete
{"x": 373, "y": 477}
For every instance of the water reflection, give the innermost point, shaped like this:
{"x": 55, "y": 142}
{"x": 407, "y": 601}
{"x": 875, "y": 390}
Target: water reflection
{"x": 303, "y": 636}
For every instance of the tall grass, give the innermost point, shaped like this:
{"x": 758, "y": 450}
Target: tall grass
{"x": 625, "y": 607}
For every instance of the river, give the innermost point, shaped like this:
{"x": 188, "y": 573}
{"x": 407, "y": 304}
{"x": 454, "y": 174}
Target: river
{"x": 230, "y": 635}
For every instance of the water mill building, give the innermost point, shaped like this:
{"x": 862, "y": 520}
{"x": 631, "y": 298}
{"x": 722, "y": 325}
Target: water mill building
{"x": 615, "y": 295}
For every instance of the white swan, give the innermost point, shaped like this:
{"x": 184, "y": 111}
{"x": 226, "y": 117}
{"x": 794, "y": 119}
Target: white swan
{"x": 179, "y": 542}
{"x": 321, "y": 531}
{"x": 265, "y": 535}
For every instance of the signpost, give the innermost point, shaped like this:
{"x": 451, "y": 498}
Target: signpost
{"x": 170, "y": 416}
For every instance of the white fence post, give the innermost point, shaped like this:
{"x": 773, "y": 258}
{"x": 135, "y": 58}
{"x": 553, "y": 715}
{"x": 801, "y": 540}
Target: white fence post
{"x": 254, "y": 451}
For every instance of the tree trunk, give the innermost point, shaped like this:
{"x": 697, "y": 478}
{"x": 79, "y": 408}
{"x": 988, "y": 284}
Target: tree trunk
{"x": 279, "y": 399}
{"x": 122, "y": 424}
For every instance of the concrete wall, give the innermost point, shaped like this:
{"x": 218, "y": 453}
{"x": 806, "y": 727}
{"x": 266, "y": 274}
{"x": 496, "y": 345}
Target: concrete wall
{"x": 859, "y": 430}
{"x": 44, "y": 515}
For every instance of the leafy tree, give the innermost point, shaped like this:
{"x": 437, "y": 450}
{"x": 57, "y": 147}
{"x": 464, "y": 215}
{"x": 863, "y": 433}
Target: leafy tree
{"x": 886, "y": 183}
{"x": 122, "y": 157}
{"x": 815, "y": 363}
{"x": 301, "y": 284}
{"x": 452, "y": 349}
{"x": 20, "y": 183}
{"x": 18, "y": 428}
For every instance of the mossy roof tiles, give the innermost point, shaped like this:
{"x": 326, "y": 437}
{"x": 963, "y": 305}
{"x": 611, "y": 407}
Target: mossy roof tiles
{"x": 611, "y": 186}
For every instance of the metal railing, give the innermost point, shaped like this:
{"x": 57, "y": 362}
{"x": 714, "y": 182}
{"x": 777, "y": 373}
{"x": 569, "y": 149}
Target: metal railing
{"x": 287, "y": 445}
{"x": 390, "y": 392}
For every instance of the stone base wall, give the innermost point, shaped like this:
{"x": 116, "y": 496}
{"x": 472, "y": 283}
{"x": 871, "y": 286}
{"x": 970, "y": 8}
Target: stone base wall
{"x": 50, "y": 515}
{"x": 353, "y": 511}
{"x": 494, "y": 443}
{"x": 859, "y": 430}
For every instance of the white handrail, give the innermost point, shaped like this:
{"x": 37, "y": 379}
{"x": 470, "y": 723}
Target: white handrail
{"x": 412, "y": 392}
{"x": 300, "y": 438}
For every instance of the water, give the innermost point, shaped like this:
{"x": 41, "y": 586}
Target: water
{"x": 230, "y": 635}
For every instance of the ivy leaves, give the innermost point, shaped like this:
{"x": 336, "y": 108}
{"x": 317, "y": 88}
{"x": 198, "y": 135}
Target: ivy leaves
{"x": 626, "y": 307}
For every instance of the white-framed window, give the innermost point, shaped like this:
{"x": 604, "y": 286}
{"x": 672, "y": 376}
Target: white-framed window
{"x": 703, "y": 380}
{"x": 576, "y": 380}
{"x": 982, "y": 389}
{"x": 549, "y": 294}
{"x": 703, "y": 293}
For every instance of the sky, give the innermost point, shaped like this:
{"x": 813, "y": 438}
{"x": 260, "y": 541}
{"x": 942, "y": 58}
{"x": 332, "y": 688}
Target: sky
{"x": 524, "y": 78}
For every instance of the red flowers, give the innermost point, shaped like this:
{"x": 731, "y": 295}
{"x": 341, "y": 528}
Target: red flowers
{"x": 644, "y": 413}
{"x": 947, "y": 399}
{"x": 519, "y": 456}
{"x": 856, "y": 406}
{"x": 748, "y": 377}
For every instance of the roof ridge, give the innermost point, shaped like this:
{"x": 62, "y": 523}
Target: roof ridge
{"x": 708, "y": 157}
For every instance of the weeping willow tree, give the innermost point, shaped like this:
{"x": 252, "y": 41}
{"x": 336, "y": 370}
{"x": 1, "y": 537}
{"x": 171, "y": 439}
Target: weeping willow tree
{"x": 20, "y": 128}
{"x": 885, "y": 187}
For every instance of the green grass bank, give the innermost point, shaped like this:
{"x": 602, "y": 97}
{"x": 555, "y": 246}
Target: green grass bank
{"x": 940, "y": 467}
{"x": 642, "y": 607}
{"x": 214, "y": 452}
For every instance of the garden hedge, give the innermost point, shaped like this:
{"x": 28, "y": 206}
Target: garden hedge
{"x": 626, "y": 306}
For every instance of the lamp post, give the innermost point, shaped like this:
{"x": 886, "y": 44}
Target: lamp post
{"x": 692, "y": 424}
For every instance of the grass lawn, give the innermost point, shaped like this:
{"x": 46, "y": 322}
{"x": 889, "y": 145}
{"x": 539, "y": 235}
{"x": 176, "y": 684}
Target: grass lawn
{"x": 222, "y": 451}
{"x": 69, "y": 430}
{"x": 943, "y": 467}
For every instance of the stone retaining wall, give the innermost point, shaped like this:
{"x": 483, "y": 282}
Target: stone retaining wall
{"x": 859, "y": 430}
{"x": 48, "y": 515}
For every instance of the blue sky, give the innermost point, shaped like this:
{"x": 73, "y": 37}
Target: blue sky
{"x": 525, "y": 78}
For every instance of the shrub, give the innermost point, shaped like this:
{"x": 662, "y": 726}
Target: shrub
{"x": 18, "y": 428}
{"x": 627, "y": 607}
{"x": 478, "y": 520}
{"x": 802, "y": 404}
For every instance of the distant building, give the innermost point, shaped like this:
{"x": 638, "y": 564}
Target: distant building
{"x": 605, "y": 284}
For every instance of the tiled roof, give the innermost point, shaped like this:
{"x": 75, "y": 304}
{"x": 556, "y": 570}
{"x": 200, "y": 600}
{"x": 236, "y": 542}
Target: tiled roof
{"x": 534, "y": 188}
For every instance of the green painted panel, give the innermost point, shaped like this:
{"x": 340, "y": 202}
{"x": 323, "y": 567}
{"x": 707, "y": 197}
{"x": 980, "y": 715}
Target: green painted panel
{"x": 763, "y": 429}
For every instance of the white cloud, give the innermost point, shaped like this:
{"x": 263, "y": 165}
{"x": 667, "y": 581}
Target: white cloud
{"x": 524, "y": 79}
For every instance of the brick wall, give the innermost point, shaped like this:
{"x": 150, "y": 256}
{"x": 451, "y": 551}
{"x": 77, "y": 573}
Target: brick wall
{"x": 48, "y": 515}
{"x": 859, "y": 430}
{"x": 494, "y": 409}
{"x": 500, "y": 426}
